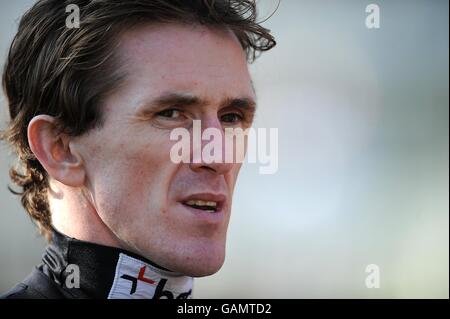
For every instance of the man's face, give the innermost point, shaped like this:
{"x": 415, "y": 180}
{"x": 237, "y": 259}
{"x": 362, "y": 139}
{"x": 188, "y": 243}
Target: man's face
{"x": 174, "y": 74}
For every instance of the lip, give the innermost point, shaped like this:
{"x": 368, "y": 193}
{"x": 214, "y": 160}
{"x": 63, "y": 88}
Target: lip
{"x": 203, "y": 216}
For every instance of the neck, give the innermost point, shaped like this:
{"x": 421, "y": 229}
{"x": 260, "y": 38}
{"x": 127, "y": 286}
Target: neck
{"x": 74, "y": 215}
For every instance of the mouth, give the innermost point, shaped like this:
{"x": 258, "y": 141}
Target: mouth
{"x": 209, "y": 203}
{"x": 208, "y": 206}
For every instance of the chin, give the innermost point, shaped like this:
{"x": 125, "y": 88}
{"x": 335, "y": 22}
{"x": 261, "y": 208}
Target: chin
{"x": 198, "y": 262}
{"x": 203, "y": 268}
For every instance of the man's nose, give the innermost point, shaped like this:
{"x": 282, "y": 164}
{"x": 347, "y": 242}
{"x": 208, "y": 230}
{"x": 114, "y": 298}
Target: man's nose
{"x": 199, "y": 163}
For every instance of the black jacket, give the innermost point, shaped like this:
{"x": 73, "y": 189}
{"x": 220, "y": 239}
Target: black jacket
{"x": 76, "y": 269}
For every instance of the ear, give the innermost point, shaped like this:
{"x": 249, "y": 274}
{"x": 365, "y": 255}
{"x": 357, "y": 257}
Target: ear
{"x": 52, "y": 148}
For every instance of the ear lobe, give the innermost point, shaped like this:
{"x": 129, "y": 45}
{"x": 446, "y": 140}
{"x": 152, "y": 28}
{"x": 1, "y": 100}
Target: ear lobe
{"x": 52, "y": 148}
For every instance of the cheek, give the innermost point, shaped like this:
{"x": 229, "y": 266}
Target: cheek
{"x": 232, "y": 176}
{"x": 130, "y": 177}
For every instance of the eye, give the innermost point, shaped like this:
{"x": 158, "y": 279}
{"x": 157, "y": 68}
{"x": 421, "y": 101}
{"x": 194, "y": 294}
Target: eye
{"x": 170, "y": 113}
{"x": 231, "y": 118}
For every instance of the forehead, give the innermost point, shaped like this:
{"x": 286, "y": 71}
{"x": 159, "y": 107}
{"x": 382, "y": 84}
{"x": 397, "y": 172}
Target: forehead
{"x": 188, "y": 58}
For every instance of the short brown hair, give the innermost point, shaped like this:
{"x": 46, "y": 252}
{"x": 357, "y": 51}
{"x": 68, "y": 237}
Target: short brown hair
{"x": 62, "y": 72}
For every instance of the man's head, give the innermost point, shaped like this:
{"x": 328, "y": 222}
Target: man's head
{"x": 92, "y": 110}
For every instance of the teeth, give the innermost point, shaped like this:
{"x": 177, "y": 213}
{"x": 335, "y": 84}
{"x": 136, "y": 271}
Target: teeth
{"x": 201, "y": 203}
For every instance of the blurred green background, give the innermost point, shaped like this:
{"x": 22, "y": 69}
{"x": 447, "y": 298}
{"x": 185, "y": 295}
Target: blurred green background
{"x": 363, "y": 171}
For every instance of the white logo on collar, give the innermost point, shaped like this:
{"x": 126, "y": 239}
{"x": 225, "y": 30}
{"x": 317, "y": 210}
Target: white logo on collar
{"x": 135, "y": 279}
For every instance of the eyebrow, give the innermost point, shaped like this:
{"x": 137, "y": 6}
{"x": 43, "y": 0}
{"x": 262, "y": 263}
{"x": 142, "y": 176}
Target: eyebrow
{"x": 182, "y": 99}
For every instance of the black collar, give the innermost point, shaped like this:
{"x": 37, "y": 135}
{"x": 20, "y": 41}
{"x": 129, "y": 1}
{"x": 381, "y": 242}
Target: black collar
{"x": 108, "y": 272}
